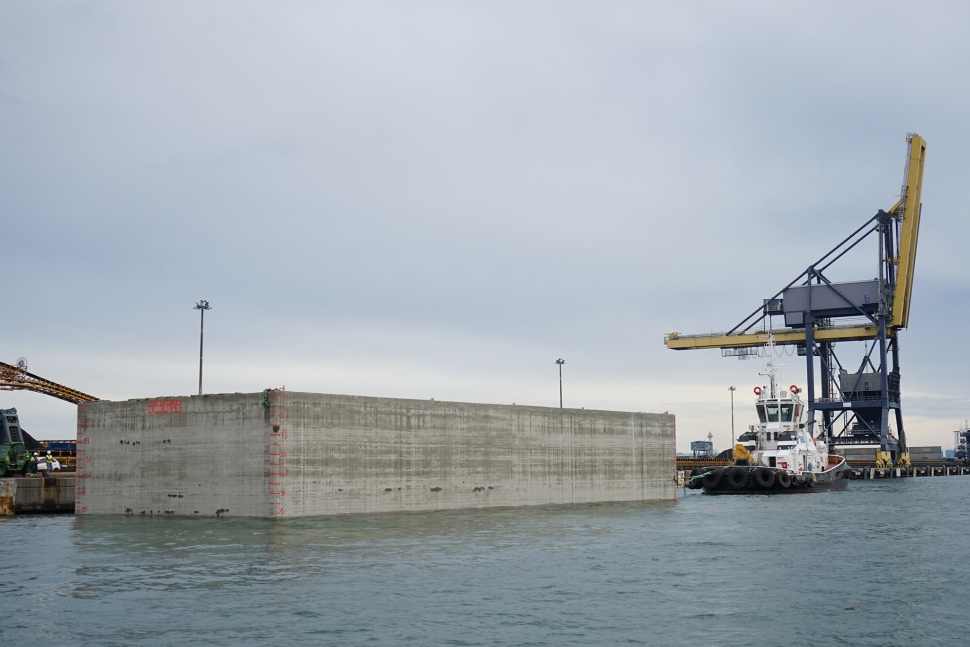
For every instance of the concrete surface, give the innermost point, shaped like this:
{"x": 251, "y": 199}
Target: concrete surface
{"x": 281, "y": 454}
{"x": 8, "y": 492}
{"x": 37, "y": 494}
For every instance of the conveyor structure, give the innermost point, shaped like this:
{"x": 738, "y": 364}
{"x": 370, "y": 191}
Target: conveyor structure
{"x": 16, "y": 378}
{"x": 816, "y": 313}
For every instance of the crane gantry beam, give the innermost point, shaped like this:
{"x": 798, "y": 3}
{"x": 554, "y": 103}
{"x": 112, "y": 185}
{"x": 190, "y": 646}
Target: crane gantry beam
{"x": 676, "y": 341}
{"x": 14, "y": 378}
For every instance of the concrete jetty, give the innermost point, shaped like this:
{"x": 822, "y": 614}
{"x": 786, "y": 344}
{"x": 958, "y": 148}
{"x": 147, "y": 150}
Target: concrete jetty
{"x": 19, "y": 495}
{"x": 280, "y": 454}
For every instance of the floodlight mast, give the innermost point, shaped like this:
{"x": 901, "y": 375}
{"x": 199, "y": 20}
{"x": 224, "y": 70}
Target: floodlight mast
{"x": 560, "y": 361}
{"x": 201, "y": 306}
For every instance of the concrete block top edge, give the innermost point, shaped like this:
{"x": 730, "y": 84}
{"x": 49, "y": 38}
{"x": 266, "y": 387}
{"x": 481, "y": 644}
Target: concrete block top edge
{"x": 405, "y": 401}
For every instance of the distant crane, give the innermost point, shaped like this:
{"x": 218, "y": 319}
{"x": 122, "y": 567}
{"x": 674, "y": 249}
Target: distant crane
{"x": 855, "y": 405}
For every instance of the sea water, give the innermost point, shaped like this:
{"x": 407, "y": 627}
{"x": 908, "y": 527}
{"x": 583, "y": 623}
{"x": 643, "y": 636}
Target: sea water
{"x": 883, "y": 563}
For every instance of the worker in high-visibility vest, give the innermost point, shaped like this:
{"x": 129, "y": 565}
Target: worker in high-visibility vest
{"x": 33, "y": 463}
{"x": 50, "y": 460}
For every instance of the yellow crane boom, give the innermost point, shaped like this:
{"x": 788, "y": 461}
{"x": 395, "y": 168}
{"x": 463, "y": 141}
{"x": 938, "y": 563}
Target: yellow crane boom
{"x": 908, "y": 210}
{"x": 676, "y": 341}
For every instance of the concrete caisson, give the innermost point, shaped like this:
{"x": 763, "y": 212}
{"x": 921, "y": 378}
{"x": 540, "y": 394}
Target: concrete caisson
{"x": 281, "y": 454}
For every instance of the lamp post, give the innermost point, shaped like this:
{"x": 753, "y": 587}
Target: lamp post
{"x": 733, "y": 437}
{"x": 560, "y": 361}
{"x": 201, "y": 306}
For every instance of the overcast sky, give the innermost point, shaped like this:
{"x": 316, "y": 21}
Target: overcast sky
{"x": 439, "y": 199}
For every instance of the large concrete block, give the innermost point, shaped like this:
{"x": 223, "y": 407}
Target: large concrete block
{"x": 282, "y": 454}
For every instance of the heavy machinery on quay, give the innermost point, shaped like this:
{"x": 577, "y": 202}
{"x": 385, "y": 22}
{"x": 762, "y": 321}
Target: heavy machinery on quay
{"x": 816, "y": 313}
{"x": 15, "y": 442}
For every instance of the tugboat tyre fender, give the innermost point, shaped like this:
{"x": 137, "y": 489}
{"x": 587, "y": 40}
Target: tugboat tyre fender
{"x": 784, "y": 479}
{"x": 765, "y": 477}
{"x": 738, "y": 479}
{"x": 711, "y": 479}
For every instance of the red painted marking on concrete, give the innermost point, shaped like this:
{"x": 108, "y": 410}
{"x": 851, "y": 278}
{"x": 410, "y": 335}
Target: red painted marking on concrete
{"x": 84, "y": 441}
{"x": 83, "y": 509}
{"x": 164, "y": 406}
{"x": 277, "y": 455}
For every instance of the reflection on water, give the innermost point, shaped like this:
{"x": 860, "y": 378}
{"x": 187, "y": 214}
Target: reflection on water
{"x": 672, "y": 573}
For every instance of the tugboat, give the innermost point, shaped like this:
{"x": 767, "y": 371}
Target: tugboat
{"x": 777, "y": 455}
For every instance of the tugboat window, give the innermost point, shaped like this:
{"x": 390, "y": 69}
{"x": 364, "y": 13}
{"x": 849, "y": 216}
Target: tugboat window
{"x": 761, "y": 413}
{"x": 772, "y": 411}
{"x": 786, "y": 410}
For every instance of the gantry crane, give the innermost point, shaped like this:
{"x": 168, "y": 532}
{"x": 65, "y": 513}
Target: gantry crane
{"x": 13, "y": 378}
{"x": 817, "y": 313}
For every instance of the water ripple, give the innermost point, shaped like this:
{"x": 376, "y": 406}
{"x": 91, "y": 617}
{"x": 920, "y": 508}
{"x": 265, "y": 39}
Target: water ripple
{"x": 878, "y": 564}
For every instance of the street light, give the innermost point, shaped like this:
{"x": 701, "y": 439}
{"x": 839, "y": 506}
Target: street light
{"x": 201, "y": 306}
{"x": 732, "y": 389}
{"x": 560, "y": 361}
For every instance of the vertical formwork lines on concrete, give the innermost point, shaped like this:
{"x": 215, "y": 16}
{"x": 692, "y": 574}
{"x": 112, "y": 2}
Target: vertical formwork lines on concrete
{"x": 325, "y": 454}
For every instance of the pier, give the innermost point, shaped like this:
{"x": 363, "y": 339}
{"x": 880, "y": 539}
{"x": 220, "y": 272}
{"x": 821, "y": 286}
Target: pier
{"x": 858, "y": 470}
{"x": 24, "y": 495}
{"x": 869, "y": 472}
